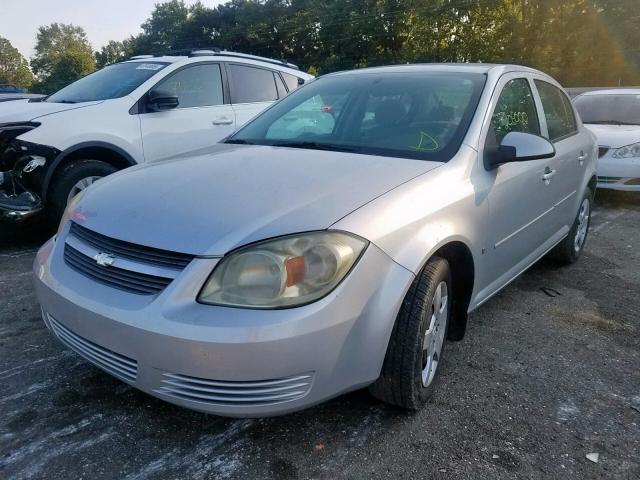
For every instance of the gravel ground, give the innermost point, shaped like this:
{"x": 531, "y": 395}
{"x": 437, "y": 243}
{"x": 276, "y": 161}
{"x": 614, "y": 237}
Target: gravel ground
{"x": 548, "y": 373}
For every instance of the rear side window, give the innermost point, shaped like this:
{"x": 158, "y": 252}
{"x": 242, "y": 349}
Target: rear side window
{"x": 291, "y": 81}
{"x": 515, "y": 110}
{"x": 558, "y": 112}
{"x": 250, "y": 84}
{"x": 197, "y": 86}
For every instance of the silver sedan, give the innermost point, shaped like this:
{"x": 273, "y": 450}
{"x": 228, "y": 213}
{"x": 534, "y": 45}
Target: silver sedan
{"x": 333, "y": 243}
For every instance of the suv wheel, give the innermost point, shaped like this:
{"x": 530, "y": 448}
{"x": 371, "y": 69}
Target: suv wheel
{"x": 569, "y": 250}
{"x": 72, "y": 179}
{"x": 414, "y": 355}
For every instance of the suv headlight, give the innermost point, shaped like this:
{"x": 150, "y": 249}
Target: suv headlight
{"x": 630, "y": 151}
{"x": 285, "y": 272}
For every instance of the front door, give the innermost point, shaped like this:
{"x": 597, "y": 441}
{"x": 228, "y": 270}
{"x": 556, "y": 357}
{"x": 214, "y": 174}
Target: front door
{"x": 520, "y": 199}
{"x": 201, "y": 119}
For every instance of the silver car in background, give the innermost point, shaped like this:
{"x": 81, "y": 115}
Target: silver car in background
{"x": 613, "y": 116}
{"x": 334, "y": 242}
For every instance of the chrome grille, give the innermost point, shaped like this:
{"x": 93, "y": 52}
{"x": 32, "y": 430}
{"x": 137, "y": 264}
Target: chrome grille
{"x": 253, "y": 393}
{"x": 133, "y": 251}
{"x": 127, "y": 280}
{"x": 117, "y": 365}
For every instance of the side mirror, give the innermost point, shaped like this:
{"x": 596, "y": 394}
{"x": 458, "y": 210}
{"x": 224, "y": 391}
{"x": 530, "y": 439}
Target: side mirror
{"x": 519, "y": 147}
{"x": 159, "y": 100}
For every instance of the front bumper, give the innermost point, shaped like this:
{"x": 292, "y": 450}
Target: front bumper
{"x": 619, "y": 173}
{"x": 227, "y": 361}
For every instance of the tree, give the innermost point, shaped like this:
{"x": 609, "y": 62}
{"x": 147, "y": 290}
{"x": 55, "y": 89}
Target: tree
{"x": 14, "y": 68}
{"x": 114, "y": 52}
{"x": 63, "y": 54}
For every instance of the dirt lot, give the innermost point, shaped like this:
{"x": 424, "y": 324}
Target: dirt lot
{"x": 548, "y": 373}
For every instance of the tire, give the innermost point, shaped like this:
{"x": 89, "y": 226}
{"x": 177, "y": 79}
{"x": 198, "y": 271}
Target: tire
{"x": 68, "y": 178}
{"x": 569, "y": 249}
{"x": 403, "y": 381}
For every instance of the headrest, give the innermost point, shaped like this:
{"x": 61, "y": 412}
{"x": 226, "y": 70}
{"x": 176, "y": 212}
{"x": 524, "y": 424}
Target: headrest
{"x": 389, "y": 112}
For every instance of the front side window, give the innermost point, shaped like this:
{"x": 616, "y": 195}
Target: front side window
{"x": 557, "y": 111}
{"x": 251, "y": 84}
{"x": 405, "y": 114}
{"x": 114, "y": 81}
{"x": 197, "y": 86}
{"x": 612, "y": 109}
{"x": 515, "y": 111}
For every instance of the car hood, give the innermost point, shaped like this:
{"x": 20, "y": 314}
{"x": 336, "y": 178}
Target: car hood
{"x": 615, "y": 136}
{"x": 210, "y": 204}
{"x": 26, "y": 111}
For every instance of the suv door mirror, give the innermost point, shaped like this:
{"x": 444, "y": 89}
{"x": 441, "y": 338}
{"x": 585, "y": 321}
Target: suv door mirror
{"x": 159, "y": 100}
{"x": 519, "y": 147}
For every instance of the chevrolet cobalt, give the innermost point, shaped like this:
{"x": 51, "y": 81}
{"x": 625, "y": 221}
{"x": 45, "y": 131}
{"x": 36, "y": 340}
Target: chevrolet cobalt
{"x": 334, "y": 242}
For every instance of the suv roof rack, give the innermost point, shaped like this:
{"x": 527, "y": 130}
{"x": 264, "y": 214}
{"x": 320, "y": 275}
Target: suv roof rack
{"x": 212, "y": 51}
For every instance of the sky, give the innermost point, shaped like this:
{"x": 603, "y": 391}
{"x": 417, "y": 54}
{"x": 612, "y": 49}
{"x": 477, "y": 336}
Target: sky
{"x": 103, "y": 20}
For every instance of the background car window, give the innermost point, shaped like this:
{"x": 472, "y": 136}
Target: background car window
{"x": 316, "y": 116}
{"x": 515, "y": 110}
{"x": 282, "y": 91}
{"x": 608, "y": 108}
{"x": 197, "y": 86}
{"x": 291, "y": 81}
{"x": 249, "y": 84}
{"x": 558, "y": 112}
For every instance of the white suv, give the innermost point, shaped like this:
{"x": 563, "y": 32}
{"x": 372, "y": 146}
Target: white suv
{"x": 145, "y": 109}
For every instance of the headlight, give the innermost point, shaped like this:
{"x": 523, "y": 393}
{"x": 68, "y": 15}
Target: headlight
{"x": 630, "y": 151}
{"x": 285, "y": 272}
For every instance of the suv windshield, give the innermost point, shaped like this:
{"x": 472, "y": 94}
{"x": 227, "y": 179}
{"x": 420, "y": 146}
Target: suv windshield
{"x": 421, "y": 115}
{"x": 113, "y": 81}
{"x": 616, "y": 109}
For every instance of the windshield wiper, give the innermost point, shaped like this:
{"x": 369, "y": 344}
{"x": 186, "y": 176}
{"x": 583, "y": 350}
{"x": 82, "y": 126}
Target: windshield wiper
{"x": 315, "y": 146}
{"x": 239, "y": 141}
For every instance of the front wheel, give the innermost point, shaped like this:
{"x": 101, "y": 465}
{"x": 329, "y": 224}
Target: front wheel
{"x": 416, "y": 347}
{"x": 71, "y": 180}
{"x": 569, "y": 250}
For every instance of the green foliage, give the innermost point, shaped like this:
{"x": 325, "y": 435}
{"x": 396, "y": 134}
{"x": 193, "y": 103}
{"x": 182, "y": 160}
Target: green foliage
{"x": 114, "y": 52}
{"x": 63, "y": 54}
{"x": 580, "y": 42}
{"x": 14, "y": 68}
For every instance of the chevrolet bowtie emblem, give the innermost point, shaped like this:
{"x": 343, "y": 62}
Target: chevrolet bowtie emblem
{"x": 104, "y": 259}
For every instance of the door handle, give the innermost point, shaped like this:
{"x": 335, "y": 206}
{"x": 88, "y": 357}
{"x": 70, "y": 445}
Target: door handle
{"x": 548, "y": 175}
{"x": 222, "y": 121}
{"x": 581, "y": 158}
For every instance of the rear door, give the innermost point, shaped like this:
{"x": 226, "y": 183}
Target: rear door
{"x": 252, "y": 89}
{"x": 520, "y": 202}
{"x": 202, "y": 118}
{"x": 559, "y": 125}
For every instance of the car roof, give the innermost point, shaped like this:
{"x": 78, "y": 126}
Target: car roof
{"x": 443, "y": 67}
{"x": 612, "y": 91}
{"x": 220, "y": 56}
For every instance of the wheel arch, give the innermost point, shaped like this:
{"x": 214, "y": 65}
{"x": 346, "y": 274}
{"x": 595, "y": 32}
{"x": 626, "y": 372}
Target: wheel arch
{"x": 106, "y": 152}
{"x": 463, "y": 273}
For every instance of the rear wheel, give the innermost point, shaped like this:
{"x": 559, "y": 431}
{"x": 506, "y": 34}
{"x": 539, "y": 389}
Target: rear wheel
{"x": 569, "y": 250}
{"x": 414, "y": 356}
{"x": 71, "y": 180}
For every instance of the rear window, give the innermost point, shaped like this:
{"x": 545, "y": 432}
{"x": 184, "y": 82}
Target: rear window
{"x": 291, "y": 80}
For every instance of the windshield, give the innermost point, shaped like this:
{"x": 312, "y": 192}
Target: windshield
{"x": 113, "y": 81}
{"x": 421, "y": 115}
{"x": 618, "y": 109}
